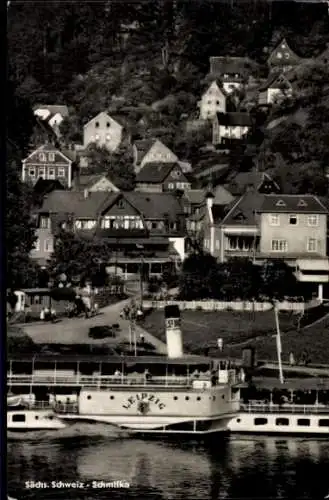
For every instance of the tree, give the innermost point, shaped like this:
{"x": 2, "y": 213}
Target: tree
{"x": 240, "y": 279}
{"x": 277, "y": 280}
{"x": 118, "y": 166}
{"x": 77, "y": 257}
{"x": 198, "y": 279}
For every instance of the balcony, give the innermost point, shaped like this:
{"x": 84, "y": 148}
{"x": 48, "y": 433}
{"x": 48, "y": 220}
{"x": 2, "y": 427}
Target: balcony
{"x": 121, "y": 233}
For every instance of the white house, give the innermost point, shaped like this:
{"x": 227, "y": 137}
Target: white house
{"x": 212, "y": 101}
{"x": 230, "y": 126}
{"x": 103, "y": 131}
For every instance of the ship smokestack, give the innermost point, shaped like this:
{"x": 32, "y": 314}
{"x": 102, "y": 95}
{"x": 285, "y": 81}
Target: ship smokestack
{"x": 173, "y": 332}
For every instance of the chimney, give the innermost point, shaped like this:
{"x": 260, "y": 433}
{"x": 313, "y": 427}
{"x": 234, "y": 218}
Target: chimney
{"x": 210, "y": 200}
{"x": 174, "y": 337}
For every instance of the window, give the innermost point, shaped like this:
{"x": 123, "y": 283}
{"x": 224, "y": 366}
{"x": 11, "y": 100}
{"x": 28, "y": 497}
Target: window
{"x": 89, "y": 397}
{"x": 42, "y": 157}
{"x": 36, "y": 245}
{"x": 286, "y": 55}
{"x": 303, "y": 421}
{"x": 293, "y": 220}
{"x": 42, "y": 172}
{"x": 44, "y": 222}
{"x": 111, "y": 397}
{"x": 279, "y": 55}
{"x": 32, "y": 172}
{"x": 97, "y": 124}
{"x": 260, "y": 421}
{"x": 61, "y": 172}
{"x": 279, "y": 245}
{"x": 97, "y": 137}
{"x": 120, "y": 204}
{"x": 187, "y": 398}
{"x": 209, "y": 102}
{"x": 51, "y": 156}
{"x": 311, "y": 245}
{"x": 282, "y": 421}
{"x": 313, "y": 220}
{"x": 48, "y": 245}
{"x": 218, "y": 103}
{"x": 19, "y": 417}
{"x": 274, "y": 220}
{"x": 108, "y": 124}
{"x": 107, "y": 137}
{"x": 171, "y": 185}
{"x": 51, "y": 173}
{"x": 198, "y": 398}
{"x": 217, "y": 245}
{"x": 324, "y": 422}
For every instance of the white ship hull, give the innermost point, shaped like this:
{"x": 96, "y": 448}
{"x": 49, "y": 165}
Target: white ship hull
{"x": 33, "y": 420}
{"x": 156, "y": 424}
{"x": 280, "y": 423}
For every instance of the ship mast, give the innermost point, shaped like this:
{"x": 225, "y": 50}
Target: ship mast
{"x": 278, "y": 341}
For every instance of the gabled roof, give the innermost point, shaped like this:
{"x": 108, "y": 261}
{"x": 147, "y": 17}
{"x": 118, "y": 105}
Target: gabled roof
{"x": 143, "y": 146}
{"x": 219, "y": 85}
{"x": 88, "y": 181}
{"x": 283, "y": 55}
{"x": 53, "y": 109}
{"x": 244, "y": 211}
{"x": 254, "y": 179}
{"x": 222, "y": 196}
{"x": 150, "y": 205}
{"x": 230, "y": 65}
{"x": 156, "y": 172}
{"x": 292, "y": 203}
{"x": 234, "y": 119}
{"x": 48, "y": 148}
{"x": 74, "y": 202}
{"x": 46, "y": 186}
{"x": 276, "y": 80}
{"x": 102, "y": 114}
{"x": 195, "y": 196}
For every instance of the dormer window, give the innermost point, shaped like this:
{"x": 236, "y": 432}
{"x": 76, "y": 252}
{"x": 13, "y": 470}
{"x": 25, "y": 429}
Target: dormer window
{"x": 51, "y": 156}
{"x": 42, "y": 157}
{"x": 120, "y": 203}
{"x": 280, "y": 203}
{"x": 97, "y": 124}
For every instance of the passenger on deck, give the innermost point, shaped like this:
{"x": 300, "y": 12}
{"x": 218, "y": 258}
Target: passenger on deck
{"x": 214, "y": 378}
{"x": 147, "y": 375}
{"x": 117, "y": 373}
{"x": 196, "y": 374}
{"x": 42, "y": 314}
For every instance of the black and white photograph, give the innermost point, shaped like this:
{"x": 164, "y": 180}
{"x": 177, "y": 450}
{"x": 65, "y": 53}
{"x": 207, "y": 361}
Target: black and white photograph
{"x": 166, "y": 224}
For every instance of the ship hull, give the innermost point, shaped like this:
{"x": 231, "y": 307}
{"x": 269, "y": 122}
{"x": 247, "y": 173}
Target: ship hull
{"x": 160, "y": 425}
{"x": 280, "y": 424}
{"x": 33, "y": 420}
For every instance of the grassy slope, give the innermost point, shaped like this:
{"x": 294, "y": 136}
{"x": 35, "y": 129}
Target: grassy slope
{"x": 239, "y": 330}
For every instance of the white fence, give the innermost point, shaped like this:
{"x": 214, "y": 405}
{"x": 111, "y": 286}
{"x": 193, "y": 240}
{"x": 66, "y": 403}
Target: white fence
{"x": 216, "y": 305}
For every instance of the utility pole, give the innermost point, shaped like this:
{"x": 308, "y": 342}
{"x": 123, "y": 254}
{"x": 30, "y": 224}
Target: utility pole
{"x": 278, "y": 341}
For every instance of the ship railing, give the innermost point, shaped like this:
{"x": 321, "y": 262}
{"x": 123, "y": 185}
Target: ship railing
{"x": 284, "y": 408}
{"x": 66, "y": 407}
{"x": 99, "y": 380}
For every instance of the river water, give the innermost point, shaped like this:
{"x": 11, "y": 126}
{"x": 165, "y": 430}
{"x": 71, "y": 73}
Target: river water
{"x": 232, "y": 468}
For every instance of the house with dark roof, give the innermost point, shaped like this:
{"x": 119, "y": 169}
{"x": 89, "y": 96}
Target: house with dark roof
{"x": 161, "y": 177}
{"x": 233, "y": 72}
{"x": 151, "y": 151}
{"x": 253, "y": 180}
{"x": 228, "y": 127}
{"x": 92, "y": 183}
{"x": 274, "y": 89}
{"x": 213, "y": 101}
{"x": 282, "y": 58}
{"x": 148, "y": 227}
{"x": 47, "y": 162}
{"x": 274, "y": 226}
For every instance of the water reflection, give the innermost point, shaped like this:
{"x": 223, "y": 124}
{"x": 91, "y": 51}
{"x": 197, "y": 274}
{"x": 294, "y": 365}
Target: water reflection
{"x": 249, "y": 468}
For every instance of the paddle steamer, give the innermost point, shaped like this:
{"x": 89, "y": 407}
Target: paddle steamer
{"x": 176, "y": 394}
